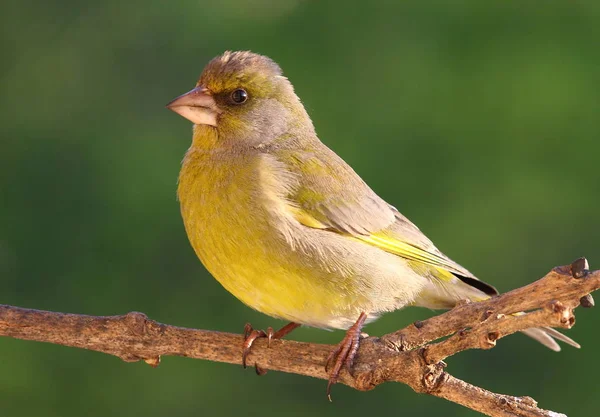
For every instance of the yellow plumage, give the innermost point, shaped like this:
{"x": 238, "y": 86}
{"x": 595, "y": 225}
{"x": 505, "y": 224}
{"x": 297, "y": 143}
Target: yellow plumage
{"x": 256, "y": 256}
{"x": 286, "y": 225}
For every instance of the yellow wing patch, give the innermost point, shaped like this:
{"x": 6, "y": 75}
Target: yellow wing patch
{"x": 306, "y": 219}
{"x": 412, "y": 253}
{"x": 389, "y": 244}
{"x": 405, "y": 250}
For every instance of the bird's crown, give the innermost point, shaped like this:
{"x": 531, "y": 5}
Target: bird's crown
{"x": 232, "y": 69}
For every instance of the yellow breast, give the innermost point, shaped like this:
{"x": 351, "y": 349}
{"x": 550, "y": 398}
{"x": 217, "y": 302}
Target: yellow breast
{"x": 228, "y": 210}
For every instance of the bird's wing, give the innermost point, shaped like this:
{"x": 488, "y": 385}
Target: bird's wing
{"x": 330, "y": 195}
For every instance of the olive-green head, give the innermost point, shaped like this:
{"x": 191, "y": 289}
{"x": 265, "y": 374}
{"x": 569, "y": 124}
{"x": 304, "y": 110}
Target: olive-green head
{"x": 244, "y": 98}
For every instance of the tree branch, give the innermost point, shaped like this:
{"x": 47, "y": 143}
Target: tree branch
{"x": 409, "y": 355}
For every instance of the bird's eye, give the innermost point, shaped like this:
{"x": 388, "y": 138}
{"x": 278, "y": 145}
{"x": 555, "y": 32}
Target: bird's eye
{"x": 239, "y": 96}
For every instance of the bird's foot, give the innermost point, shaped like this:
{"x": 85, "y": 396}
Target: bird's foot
{"x": 343, "y": 355}
{"x": 251, "y": 334}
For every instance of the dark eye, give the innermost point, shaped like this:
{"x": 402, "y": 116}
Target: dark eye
{"x": 239, "y": 96}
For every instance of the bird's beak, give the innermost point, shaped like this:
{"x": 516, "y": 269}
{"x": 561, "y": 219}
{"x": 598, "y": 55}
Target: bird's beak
{"x": 197, "y": 106}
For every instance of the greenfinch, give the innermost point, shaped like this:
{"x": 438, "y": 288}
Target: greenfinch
{"x": 290, "y": 229}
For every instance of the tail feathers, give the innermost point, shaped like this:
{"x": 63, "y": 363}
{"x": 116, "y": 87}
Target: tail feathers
{"x": 480, "y": 285}
{"x": 559, "y": 336}
{"x": 547, "y": 335}
{"x": 446, "y": 288}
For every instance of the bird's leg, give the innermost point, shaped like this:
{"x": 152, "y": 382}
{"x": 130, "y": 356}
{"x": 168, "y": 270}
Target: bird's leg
{"x": 344, "y": 353}
{"x": 250, "y": 335}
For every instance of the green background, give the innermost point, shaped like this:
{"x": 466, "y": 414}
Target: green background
{"x": 478, "y": 120}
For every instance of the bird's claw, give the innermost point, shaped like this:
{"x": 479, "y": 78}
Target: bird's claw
{"x": 343, "y": 355}
{"x": 259, "y": 371}
{"x": 250, "y": 335}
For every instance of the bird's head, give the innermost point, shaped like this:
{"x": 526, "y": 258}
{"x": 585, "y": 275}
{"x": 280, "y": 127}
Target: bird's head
{"x": 242, "y": 97}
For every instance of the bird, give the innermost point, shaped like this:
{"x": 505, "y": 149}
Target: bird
{"x": 289, "y": 228}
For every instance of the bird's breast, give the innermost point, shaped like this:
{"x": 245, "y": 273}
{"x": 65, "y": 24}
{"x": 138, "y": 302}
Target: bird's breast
{"x": 230, "y": 225}
{"x": 218, "y": 206}
{"x": 240, "y": 226}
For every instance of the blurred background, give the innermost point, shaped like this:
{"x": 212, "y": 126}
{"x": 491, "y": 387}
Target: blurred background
{"x": 478, "y": 120}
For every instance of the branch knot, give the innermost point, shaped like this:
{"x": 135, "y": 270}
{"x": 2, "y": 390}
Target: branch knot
{"x": 136, "y": 322}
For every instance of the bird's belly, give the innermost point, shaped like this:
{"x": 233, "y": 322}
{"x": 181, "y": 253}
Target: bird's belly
{"x": 289, "y": 271}
{"x": 259, "y": 268}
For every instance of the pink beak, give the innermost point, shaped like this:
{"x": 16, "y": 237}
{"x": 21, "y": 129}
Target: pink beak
{"x": 197, "y": 106}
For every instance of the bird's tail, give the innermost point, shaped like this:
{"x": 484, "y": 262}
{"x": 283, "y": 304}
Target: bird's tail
{"x": 446, "y": 289}
{"x": 547, "y": 336}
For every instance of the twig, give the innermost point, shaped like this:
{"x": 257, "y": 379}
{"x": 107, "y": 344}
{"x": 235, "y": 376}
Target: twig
{"x": 407, "y": 356}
